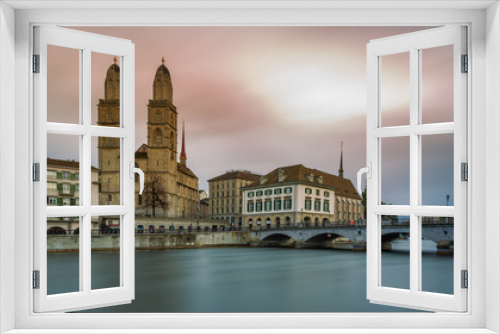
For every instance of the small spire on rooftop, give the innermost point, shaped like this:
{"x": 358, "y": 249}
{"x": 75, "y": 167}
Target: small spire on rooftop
{"x": 341, "y": 167}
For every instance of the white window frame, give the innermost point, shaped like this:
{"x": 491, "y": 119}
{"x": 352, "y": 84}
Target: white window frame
{"x": 84, "y": 131}
{"x": 413, "y": 44}
{"x": 483, "y": 20}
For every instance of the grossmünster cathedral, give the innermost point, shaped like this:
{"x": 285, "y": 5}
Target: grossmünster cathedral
{"x": 157, "y": 158}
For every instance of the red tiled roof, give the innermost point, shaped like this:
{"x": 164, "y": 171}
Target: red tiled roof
{"x": 184, "y": 169}
{"x": 302, "y": 174}
{"x": 236, "y": 174}
{"x": 65, "y": 163}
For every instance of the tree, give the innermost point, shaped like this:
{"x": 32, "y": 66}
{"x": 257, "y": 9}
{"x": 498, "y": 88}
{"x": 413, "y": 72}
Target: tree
{"x": 154, "y": 195}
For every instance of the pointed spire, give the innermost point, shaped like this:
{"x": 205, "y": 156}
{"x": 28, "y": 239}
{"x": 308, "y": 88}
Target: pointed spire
{"x": 341, "y": 167}
{"x": 183, "y": 148}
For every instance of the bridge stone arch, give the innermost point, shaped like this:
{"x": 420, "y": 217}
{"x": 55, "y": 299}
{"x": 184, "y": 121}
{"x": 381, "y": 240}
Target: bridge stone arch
{"x": 278, "y": 239}
{"x": 391, "y": 236}
{"x": 56, "y": 230}
{"x": 442, "y": 235}
{"x": 323, "y": 238}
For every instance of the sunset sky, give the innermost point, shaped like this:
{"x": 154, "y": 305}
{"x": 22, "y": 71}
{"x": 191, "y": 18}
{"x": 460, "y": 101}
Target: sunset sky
{"x": 258, "y": 98}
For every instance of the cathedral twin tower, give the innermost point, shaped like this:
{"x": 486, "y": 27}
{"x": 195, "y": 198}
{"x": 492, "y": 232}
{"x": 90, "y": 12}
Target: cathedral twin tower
{"x": 157, "y": 158}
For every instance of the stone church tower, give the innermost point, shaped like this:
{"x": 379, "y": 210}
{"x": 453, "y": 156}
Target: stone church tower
{"x": 108, "y": 111}
{"x": 162, "y": 130}
{"x": 157, "y": 158}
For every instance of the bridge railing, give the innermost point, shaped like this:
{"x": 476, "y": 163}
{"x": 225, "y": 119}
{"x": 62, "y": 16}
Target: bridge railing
{"x": 264, "y": 227}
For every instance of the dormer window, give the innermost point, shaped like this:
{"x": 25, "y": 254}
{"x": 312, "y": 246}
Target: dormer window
{"x": 319, "y": 178}
{"x": 262, "y": 180}
{"x": 281, "y": 175}
{"x": 310, "y": 177}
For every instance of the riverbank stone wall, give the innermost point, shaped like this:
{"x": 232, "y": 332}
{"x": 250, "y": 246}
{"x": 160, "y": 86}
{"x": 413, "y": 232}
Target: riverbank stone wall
{"x": 61, "y": 243}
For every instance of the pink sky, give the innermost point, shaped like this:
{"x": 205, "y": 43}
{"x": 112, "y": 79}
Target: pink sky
{"x": 258, "y": 98}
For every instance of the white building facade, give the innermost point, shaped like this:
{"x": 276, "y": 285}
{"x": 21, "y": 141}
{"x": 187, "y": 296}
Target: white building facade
{"x": 297, "y": 196}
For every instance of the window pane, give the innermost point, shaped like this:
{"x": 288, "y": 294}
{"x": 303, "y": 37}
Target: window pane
{"x": 437, "y": 84}
{"x": 395, "y": 89}
{"x": 395, "y": 250}
{"x": 437, "y": 254}
{"x": 105, "y": 262}
{"x": 437, "y": 170}
{"x": 63, "y": 170}
{"x": 63, "y": 85}
{"x": 395, "y": 170}
{"x": 106, "y": 158}
{"x": 105, "y": 90}
{"x": 63, "y": 255}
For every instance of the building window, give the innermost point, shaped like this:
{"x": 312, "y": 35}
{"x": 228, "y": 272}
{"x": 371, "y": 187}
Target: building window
{"x": 250, "y": 206}
{"x": 258, "y": 206}
{"x": 251, "y": 194}
{"x": 77, "y": 187}
{"x": 66, "y": 175}
{"x": 109, "y": 116}
{"x": 269, "y": 205}
{"x": 277, "y": 191}
{"x": 66, "y": 188}
{"x": 269, "y": 192}
{"x": 288, "y": 190}
{"x": 51, "y": 174}
{"x": 307, "y": 204}
{"x": 66, "y": 201}
{"x": 158, "y": 137}
{"x": 51, "y": 200}
{"x": 288, "y": 204}
{"x": 259, "y": 193}
{"x": 277, "y": 204}
{"x": 326, "y": 206}
{"x": 317, "y": 205}
{"x": 308, "y": 191}
{"x": 51, "y": 186}
{"x": 326, "y": 194}
{"x": 158, "y": 115}
{"x": 317, "y": 192}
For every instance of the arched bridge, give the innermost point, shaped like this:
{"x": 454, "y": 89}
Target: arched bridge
{"x": 346, "y": 237}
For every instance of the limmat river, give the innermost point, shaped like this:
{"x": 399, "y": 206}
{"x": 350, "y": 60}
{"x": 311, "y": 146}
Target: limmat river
{"x": 242, "y": 279}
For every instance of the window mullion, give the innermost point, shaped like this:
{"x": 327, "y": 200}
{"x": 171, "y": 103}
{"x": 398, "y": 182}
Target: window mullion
{"x": 86, "y": 170}
{"x": 415, "y": 259}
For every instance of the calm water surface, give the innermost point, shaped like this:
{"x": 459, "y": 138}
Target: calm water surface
{"x": 249, "y": 279}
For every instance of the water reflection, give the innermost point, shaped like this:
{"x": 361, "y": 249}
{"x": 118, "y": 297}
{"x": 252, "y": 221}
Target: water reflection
{"x": 253, "y": 280}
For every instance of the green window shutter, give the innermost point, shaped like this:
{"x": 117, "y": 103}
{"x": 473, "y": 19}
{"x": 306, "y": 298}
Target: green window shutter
{"x": 59, "y": 201}
{"x": 73, "y": 201}
{"x": 72, "y": 189}
{"x": 59, "y": 185}
{"x": 72, "y": 177}
{"x": 59, "y": 175}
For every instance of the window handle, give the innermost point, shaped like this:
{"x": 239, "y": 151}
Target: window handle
{"x": 137, "y": 170}
{"x": 365, "y": 170}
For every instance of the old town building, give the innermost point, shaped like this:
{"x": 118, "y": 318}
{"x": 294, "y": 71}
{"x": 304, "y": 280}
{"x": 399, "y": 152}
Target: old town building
{"x": 226, "y": 200}
{"x": 300, "y": 196}
{"x": 174, "y": 183}
{"x": 63, "y": 189}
